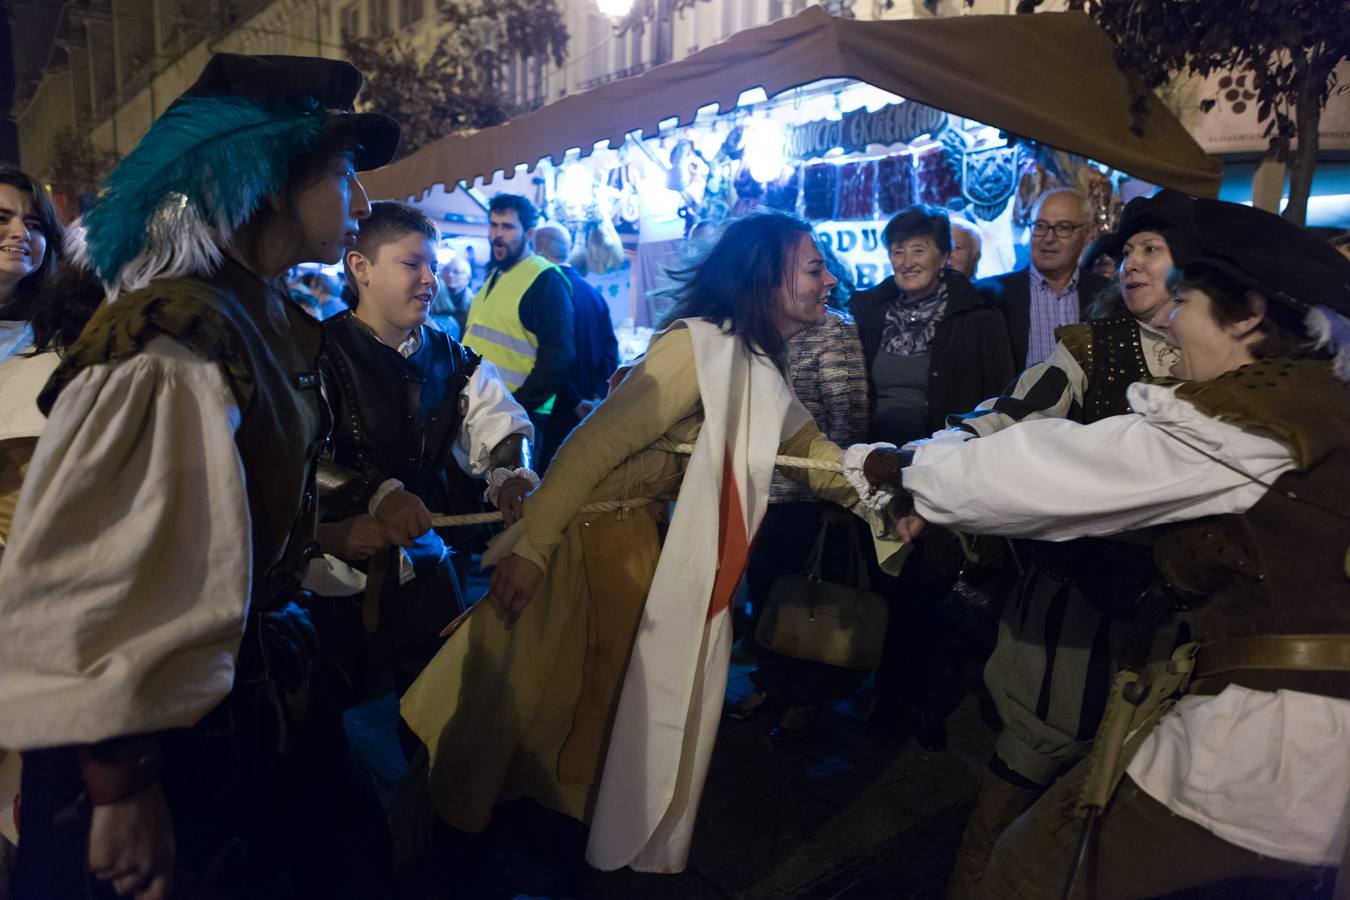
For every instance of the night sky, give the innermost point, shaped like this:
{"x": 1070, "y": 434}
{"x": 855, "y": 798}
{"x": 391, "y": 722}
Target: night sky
{"x": 9, "y": 135}
{"x": 27, "y": 31}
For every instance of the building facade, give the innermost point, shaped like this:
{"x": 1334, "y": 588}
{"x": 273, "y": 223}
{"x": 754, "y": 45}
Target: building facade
{"x": 117, "y": 64}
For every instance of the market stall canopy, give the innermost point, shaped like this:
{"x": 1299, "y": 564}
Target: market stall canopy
{"x": 1050, "y": 77}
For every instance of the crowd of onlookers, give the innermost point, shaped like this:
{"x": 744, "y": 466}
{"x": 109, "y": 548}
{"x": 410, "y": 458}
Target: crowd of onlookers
{"x": 226, "y": 518}
{"x": 894, "y": 362}
{"x": 927, "y": 350}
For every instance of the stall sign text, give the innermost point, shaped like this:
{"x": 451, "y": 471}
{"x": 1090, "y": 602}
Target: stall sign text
{"x": 897, "y": 123}
{"x": 859, "y": 247}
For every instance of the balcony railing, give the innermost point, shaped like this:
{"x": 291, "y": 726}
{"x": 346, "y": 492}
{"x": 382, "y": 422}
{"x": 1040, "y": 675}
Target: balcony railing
{"x": 613, "y": 76}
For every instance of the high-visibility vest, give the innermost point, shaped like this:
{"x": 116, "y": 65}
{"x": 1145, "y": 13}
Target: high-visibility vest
{"x": 493, "y": 329}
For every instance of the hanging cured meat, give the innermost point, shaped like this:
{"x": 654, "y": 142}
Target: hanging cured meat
{"x": 937, "y": 175}
{"x": 820, "y": 191}
{"x": 783, "y": 193}
{"x": 858, "y": 190}
{"x": 895, "y": 184}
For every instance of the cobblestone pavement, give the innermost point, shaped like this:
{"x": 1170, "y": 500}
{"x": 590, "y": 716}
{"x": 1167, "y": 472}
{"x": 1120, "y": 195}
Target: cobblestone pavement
{"x": 844, "y": 816}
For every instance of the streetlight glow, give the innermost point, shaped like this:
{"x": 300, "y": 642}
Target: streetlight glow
{"x": 615, "y": 9}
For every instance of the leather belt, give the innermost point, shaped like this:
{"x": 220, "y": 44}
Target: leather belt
{"x": 376, "y": 572}
{"x": 1286, "y": 652}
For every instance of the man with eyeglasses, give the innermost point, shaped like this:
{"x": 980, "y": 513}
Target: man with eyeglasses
{"x": 1051, "y": 291}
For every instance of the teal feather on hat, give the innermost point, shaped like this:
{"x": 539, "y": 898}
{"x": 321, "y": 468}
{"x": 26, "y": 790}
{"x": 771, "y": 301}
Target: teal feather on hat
{"x": 198, "y": 174}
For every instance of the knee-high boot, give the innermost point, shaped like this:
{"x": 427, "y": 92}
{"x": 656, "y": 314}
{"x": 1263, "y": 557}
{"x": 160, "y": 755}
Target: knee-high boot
{"x": 997, "y": 806}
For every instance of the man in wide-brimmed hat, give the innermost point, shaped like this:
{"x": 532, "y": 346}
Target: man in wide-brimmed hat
{"x": 154, "y": 667}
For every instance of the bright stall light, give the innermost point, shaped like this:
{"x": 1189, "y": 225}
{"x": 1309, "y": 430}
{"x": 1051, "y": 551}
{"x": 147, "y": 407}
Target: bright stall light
{"x": 616, "y": 9}
{"x": 576, "y": 187}
{"x": 866, "y": 96}
{"x": 764, "y": 150}
{"x": 709, "y": 143}
{"x": 752, "y": 96}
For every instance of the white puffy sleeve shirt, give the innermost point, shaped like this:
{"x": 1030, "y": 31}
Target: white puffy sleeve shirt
{"x": 490, "y": 417}
{"x": 125, "y": 586}
{"x": 1055, "y": 480}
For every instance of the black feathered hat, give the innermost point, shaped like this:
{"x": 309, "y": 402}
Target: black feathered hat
{"x": 282, "y": 81}
{"x": 1286, "y": 263}
{"x": 1169, "y": 213}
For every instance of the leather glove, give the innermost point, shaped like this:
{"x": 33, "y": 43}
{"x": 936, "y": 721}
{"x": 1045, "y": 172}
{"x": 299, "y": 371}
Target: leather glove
{"x": 884, "y": 468}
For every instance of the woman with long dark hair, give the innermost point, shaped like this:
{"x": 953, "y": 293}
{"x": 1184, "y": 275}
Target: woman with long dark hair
{"x": 30, "y": 242}
{"x": 1050, "y": 693}
{"x": 43, "y": 307}
{"x": 601, "y": 697}
{"x": 30, "y": 245}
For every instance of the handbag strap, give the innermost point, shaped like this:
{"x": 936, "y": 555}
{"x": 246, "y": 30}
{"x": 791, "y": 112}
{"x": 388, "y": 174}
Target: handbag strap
{"x": 815, "y": 561}
{"x": 859, "y": 574}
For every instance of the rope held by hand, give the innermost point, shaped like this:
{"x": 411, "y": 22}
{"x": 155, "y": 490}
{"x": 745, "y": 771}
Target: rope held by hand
{"x": 786, "y": 462}
{"x": 668, "y": 446}
{"x": 496, "y": 516}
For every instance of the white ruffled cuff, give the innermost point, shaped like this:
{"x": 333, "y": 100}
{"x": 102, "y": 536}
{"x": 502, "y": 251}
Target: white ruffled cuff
{"x": 875, "y": 499}
{"x": 387, "y": 487}
{"x": 500, "y": 476}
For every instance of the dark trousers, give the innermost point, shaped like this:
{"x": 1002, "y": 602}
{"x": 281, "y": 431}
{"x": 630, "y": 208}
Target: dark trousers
{"x": 411, "y": 618}
{"x": 555, "y": 428}
{"x": 920, "y": 664}
{"x": 1141, "y": 850}
{"x": 408, "y": 635}
{"x": 250, "y": 823}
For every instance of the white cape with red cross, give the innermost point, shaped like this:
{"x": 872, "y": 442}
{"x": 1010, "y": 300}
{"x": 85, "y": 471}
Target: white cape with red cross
{"x": 672, "y": 694}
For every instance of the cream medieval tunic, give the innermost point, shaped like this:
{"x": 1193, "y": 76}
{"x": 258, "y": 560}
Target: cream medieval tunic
{"x": 526, "y": 710}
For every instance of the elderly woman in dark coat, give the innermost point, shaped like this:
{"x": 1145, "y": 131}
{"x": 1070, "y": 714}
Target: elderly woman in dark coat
{"x": 932, "y": 347}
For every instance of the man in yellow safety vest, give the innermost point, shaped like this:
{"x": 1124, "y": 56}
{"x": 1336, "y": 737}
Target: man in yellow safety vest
{"x": 521, "y": 319}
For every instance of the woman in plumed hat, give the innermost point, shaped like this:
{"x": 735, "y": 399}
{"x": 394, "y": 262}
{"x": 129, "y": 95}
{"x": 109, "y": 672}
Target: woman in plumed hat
{"x": 154, "y": 667}
{"x": 1050, "y": 670}
{"x": 1242, "y": 466}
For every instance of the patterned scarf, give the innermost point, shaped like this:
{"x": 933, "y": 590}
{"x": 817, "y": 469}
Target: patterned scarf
{"x": 910, "y": 325}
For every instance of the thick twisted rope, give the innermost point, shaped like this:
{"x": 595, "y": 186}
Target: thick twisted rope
{"x": 496, "y": 516}
{"x": 665, "y": 445}
{"x": 786, "y": 462}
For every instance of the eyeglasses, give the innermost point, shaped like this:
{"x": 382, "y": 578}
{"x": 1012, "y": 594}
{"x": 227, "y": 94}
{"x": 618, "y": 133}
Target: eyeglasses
{"x": 1062, "y": 230}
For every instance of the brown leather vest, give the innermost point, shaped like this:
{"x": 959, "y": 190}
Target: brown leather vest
{"x": 268, "y": 350}
{"x": 1279, "y": 567}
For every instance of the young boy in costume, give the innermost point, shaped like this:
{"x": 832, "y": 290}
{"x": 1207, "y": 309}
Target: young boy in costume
{"x": 155, "y": 669}
{"x": 417, "y": 419}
